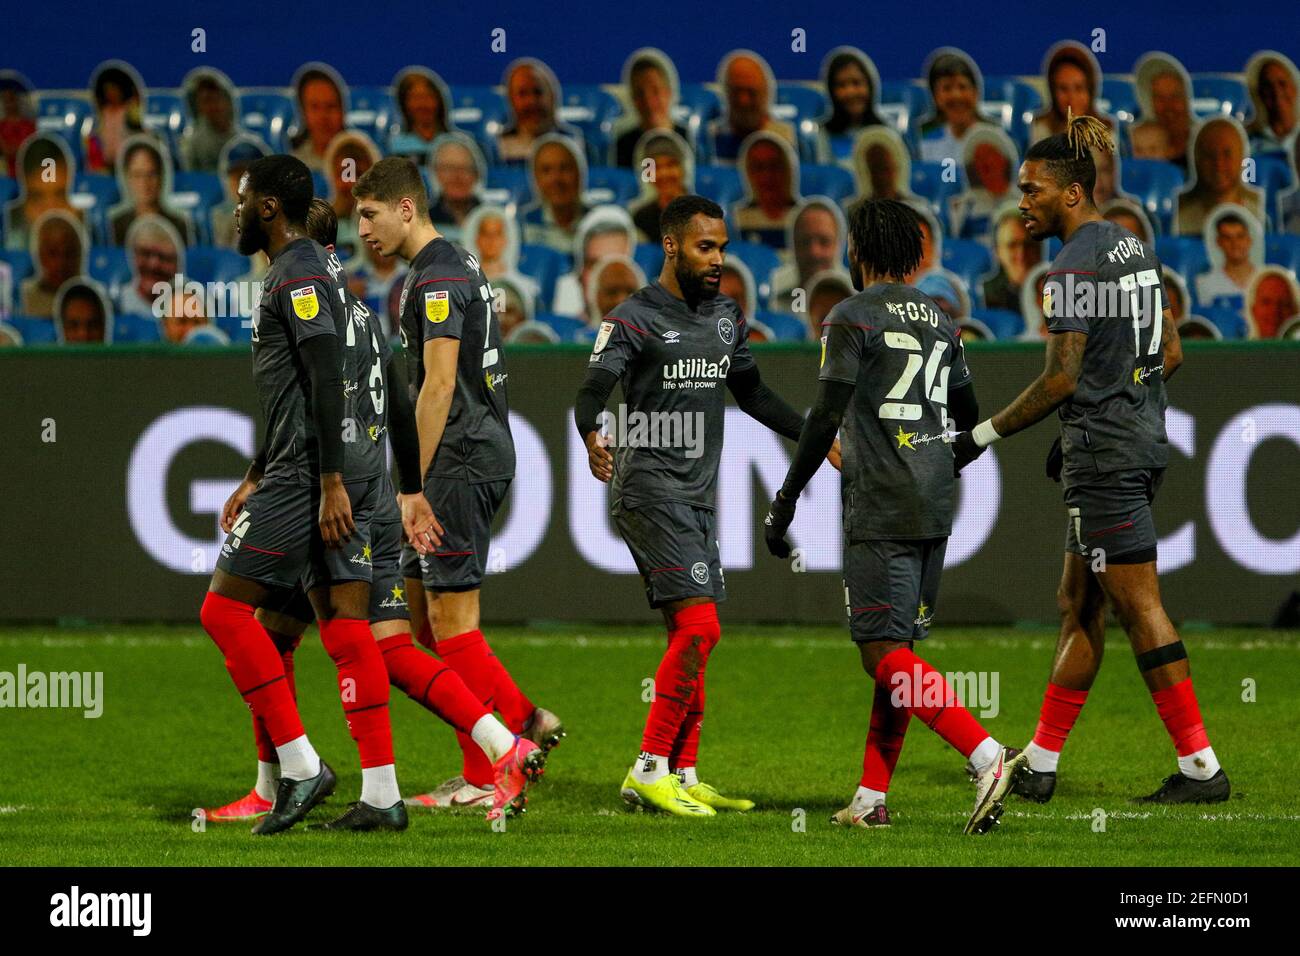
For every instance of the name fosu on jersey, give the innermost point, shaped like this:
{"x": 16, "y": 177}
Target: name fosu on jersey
{"x": 696, "y": 372}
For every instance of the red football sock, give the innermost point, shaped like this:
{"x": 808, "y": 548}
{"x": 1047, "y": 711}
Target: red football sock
{"x": 949, "y": 719}
{"x": 1181, "y": 713}
{"x": 686, "y": 748}
{"x": 1061, "y": 708}
{"x": 487, "y": 677}
{"x": 425, "y": 635}
{"x": 431, "y": 683}
{"x": 695, "y": 632}
{"x": 884, "y": 740}
{"x": 253, "y": 664}
{"x": 363, "y": 687}
{"x": 286, "y": 645}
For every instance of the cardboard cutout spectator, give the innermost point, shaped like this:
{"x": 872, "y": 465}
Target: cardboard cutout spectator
{"x": 1234, "y": 241}
{"x": 459, "y": 172}
{"x": 1107, "y": 187}
{"x": 738, "y": 283}
{"x": 1174, "y": 291}
{"x": 82, "y": 313}
{"x": 1164, "y": 93}
{"x": 118, "y": 94}
{"x": 371, "y": 276}
{"x": 46, "y": 174}
{"x": 605, "y": 231}
{"x": 1033, "y": 304}
{"x": 956, "y": 91}
{"x": 17, "y": 118}
{"x": 322, "y": 112}
{"x": 182, "y": 315}
{"x": 610, "y": 280}
{"x": 424, "y": 104}
{"x": 973, "y": 330}
{"x": 156, "y": 255}
{"x": 990, "y": 162}
{"x": 1218, "y": 150}
{"x": 492, "y": 236}
{"x": 882, "y": 166}
{"x": 950, "y": 296}
{"x": 818, "y": 233}
{"x": 826, "y": 290}
{"x": 144, "y": 179}
{"x": 213, "y": 106}
{"x": 1015, "y": 254}
{"x": 533, "y": 97}
{"x": 59, "y": 251}
{"x": 770, "y": 171}
{"x": 236, "y": 156}
{"x": 512, "y": 305}
{"x": 1272, "y": 300}
{"x": 1288, "y": 200}
{"x": 10, "y": 337}
{"x": 1129, "y": 214}
{"x": 651, "y": 87}
{"x": 1198, "y": 328}
{"x": 1073, "y": 79}
{"x": 347, "y": 158}
{"x": 1290, "y": 330}
{"x": 665, "y": 166}
{"x": 1272, "y": 80}
{"x": 749, "y": 90}
{"x": 559, "y": 175}
{"x": 931, "y": 241}
{"x": 853, "y": 93}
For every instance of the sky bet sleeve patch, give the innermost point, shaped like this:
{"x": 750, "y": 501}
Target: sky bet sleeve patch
{"x": 305, "y": 304}
{"x": 436, "y": 306}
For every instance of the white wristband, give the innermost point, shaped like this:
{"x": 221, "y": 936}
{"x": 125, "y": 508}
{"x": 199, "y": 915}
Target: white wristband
{"x": 984, "y": 433}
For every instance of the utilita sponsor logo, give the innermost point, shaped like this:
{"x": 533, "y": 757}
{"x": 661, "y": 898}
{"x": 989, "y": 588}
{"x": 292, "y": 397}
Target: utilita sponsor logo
{"x": 74, "y": 908}
{"x": 696, "y": 373}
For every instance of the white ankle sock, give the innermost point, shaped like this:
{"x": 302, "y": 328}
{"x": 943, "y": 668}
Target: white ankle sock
{"x": 492, "y": 736}
{"x": 984, "y": 755}
{"x": 298, "y": 759}
{"x": 688, "y": 775}
{"x": 266, "y": 774}
{"x": 1201, "y": 765}
{"x": 649, "y": 768}
{"x": 1042, "y": 760}
{"x": 379, "y": 786}
{"x": 866, "y": 798}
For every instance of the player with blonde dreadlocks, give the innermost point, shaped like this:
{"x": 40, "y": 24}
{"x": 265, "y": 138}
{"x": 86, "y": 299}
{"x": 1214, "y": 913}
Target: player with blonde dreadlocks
{"x": 1112, "y": 348}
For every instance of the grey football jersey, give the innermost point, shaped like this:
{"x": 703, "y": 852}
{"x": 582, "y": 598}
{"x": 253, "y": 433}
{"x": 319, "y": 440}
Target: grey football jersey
{"x": 903, "y": 355}
{"x": 447, "y": 295}
{"x": 302, "y": 296}
{"x": 365, "y": 363}
{"x": 673, "y": 364}
{"x": 1106, "y": 282}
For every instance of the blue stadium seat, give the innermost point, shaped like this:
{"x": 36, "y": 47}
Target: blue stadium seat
{"x": 762, "y": 261}
{"x": 267, "y": 114}
{"x": 20, "y": 264}
{"x": 610, "y": 184}
{"x": 320, "y": 185}
{"x": 1186, "y": 255}
{"x": 698, "y": 101}
{"x": 1217, "y": 95}
{"x": 968, "y": 259}
{"x": 1154, "y": 183}
{"x": 593, "y": 110}
{"x": 165, "y": 116}
{"x": 902, "y": 103}
{"x": 1015, "y": 102}
{"x": 1226, "y": 319}
{"x": 835, "y": 182}
{"x": 103, "y": 186}
{"x": 1119, "y": 99}
{"x": 928, "y": 183}
{"x": 35, "y": 331}
{"x": 650, "y": 257}
{"x": 797, "y": 101}
{"x": 214, "y": 264}
{"x": 68, "y": 116}
{"x": 1003, "y": 323}
{"x": 197, "y": 194}
{"x": 1272, "y": 174}
{"x": 109, "y": 265}
{"x": 1283, "y": 250}
{"x": 544, "y": 266}
{"x": 8, "y": 189}
{"x": 566, "y": 328}
{"x": 479, "y": 111}
{"x": 785, "y": 327}
{"x": 719, "y": 183}
{"x": 236, "y": 327}
{"x": 371, "y": 109}
{"x": 508, "y": 184}
{"x": 136, "y": 329}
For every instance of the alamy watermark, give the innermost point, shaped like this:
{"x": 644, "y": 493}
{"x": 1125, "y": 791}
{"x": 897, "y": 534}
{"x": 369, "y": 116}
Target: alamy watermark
{"x": 77, "y": 690}
{"x": 626, "y": 428}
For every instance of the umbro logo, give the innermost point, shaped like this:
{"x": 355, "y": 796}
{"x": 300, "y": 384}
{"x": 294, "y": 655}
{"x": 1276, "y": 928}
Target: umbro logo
{"x": 672, "y": 337}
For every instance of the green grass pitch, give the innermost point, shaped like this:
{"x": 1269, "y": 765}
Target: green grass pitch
{"x": 787, "y": 715}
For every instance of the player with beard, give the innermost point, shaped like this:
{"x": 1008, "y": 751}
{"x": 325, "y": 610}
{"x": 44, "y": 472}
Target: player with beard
{"x": 375, "y": 397}
{"x": 457, "y": 380}
{"x": 899, "y": 492}
{"x": 673, "y": 345}
{"x": 1112, "y": 348}
{"x": 308, "y": 522}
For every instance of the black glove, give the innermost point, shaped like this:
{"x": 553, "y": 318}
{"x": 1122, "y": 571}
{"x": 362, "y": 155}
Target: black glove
{"x": 779, "y": 516}
{"x": 1055, "y": 460}
{"x": 964, "y": 451}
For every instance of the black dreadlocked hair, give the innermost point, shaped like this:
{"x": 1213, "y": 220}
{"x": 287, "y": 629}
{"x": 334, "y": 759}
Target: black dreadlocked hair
{"x": 886, "y": 237}
{"x": 1069, "y": 155}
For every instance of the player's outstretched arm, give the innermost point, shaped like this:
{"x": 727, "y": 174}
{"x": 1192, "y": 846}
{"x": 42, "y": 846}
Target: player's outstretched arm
{"x": 422, "y": 529}
{"x": 587, "y": 409}
{"x": 434, "y": 402}
{"x": 762, "y": 404}
{"x": 320, "y": 355}
{"x": 235, "y": 503}
{"x": 815, "y": 441}
{"x": 1173, "y": 346}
